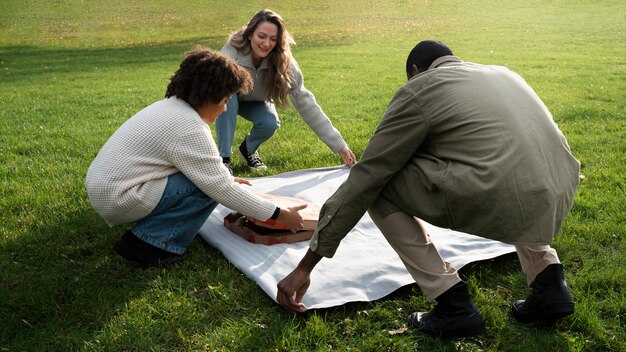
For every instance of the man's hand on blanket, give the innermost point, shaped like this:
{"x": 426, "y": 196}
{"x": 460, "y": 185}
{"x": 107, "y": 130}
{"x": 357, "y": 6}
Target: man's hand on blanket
{"x": 292, "y": 218}
{"x": 292, "y": 288}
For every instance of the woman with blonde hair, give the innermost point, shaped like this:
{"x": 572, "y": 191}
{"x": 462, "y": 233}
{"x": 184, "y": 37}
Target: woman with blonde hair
{"x": 263, "y": 48}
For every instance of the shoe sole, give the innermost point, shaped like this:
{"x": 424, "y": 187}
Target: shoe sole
{"x": 452, "y": 334}
{"x": 259, "y": 168}
{"x": 548, "y": 314}
{"x": 127, "y": 253}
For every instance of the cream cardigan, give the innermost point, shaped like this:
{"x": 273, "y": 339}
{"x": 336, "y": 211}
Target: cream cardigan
{"x": 126, "y": 180}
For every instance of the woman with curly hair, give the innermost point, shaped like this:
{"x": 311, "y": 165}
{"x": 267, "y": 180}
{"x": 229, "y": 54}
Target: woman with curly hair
{"x": 263, "y": 48}
{"x": 161, "y": 169}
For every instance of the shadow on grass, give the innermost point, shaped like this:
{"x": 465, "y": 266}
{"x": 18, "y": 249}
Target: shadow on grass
{"x": 63, "y": 280}
{"x": 25, "y": 63}
{"x": 62, "y": 287}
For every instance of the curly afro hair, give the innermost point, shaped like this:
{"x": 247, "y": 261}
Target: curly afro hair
{"x": 207, "y": 76}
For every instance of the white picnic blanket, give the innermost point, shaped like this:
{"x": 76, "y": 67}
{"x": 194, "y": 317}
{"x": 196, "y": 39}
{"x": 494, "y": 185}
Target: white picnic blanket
{"x": 364, "y": 268}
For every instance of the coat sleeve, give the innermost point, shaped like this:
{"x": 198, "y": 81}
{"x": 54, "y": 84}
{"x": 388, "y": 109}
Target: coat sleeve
{"x": 312, "y": 114}
{"x": 396, "y": 139}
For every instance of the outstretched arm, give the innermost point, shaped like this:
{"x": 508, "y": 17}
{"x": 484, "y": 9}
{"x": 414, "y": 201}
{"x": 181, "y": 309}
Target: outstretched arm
{"x": 292, "y": 288}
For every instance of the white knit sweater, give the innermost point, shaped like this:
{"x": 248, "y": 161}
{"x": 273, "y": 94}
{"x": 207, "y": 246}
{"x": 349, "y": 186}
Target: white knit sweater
{"x": 126, "y": 180}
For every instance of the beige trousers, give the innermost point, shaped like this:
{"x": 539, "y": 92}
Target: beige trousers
{"x": 431, "y": 272}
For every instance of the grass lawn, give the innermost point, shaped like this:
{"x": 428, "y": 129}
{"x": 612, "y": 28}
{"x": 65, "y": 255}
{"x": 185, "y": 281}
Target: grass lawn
{"x": 71, "y": 72}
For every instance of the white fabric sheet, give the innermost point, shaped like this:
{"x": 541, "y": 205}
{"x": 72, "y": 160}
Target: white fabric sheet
{"x": 364, "y": 268}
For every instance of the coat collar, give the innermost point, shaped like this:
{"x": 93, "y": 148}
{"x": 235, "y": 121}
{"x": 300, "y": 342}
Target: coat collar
{"x": 444, "y": 60}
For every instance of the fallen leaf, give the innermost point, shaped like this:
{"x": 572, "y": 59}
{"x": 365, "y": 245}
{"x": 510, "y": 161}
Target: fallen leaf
{"x": 397, "y": 331}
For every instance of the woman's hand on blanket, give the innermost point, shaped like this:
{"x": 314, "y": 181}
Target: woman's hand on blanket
{"x": 347, "y": 156}
{"x": 242, "y": 181}
{"x": 292, "y": 218}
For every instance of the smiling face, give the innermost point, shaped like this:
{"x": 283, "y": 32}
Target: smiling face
{"x": 263, "y": 40}
{"x": 210, "y": 111}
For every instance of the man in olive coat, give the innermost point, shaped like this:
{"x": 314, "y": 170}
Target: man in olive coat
{"x": 464, "y": 146}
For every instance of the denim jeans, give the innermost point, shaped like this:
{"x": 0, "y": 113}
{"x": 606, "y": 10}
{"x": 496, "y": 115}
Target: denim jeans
{"x": 264, "y": 120}
{"x": 175, "y": 221}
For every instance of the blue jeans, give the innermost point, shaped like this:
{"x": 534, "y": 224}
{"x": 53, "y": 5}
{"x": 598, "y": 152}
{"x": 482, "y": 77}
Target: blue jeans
{"x": 264, "y": 120}
{"x": 175, "y": 221}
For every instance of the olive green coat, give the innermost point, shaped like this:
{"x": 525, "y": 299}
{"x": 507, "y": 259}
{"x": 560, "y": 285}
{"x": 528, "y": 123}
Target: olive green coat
{"x": 464, "y": 146}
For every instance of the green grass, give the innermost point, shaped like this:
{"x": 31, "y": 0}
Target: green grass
{"x": 71, "y": 72}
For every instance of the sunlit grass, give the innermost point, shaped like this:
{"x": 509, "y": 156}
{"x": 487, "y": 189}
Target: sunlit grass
{"x": 72, "y": 72}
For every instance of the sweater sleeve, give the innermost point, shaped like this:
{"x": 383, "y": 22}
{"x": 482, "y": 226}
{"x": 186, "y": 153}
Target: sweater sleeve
{"x": 195, "y": 155}
{"x": 396, "y": 139}
{"x": 312, "y": 114}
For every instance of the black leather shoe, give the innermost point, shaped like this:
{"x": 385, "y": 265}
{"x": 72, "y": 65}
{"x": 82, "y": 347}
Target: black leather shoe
{"x": 549, "y": 301}
{"x": 142, "y": 253}
{"x": 454, "y": 316}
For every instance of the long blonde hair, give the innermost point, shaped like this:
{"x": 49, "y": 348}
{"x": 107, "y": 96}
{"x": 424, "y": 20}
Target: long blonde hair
{"x": 279, "y": 80}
